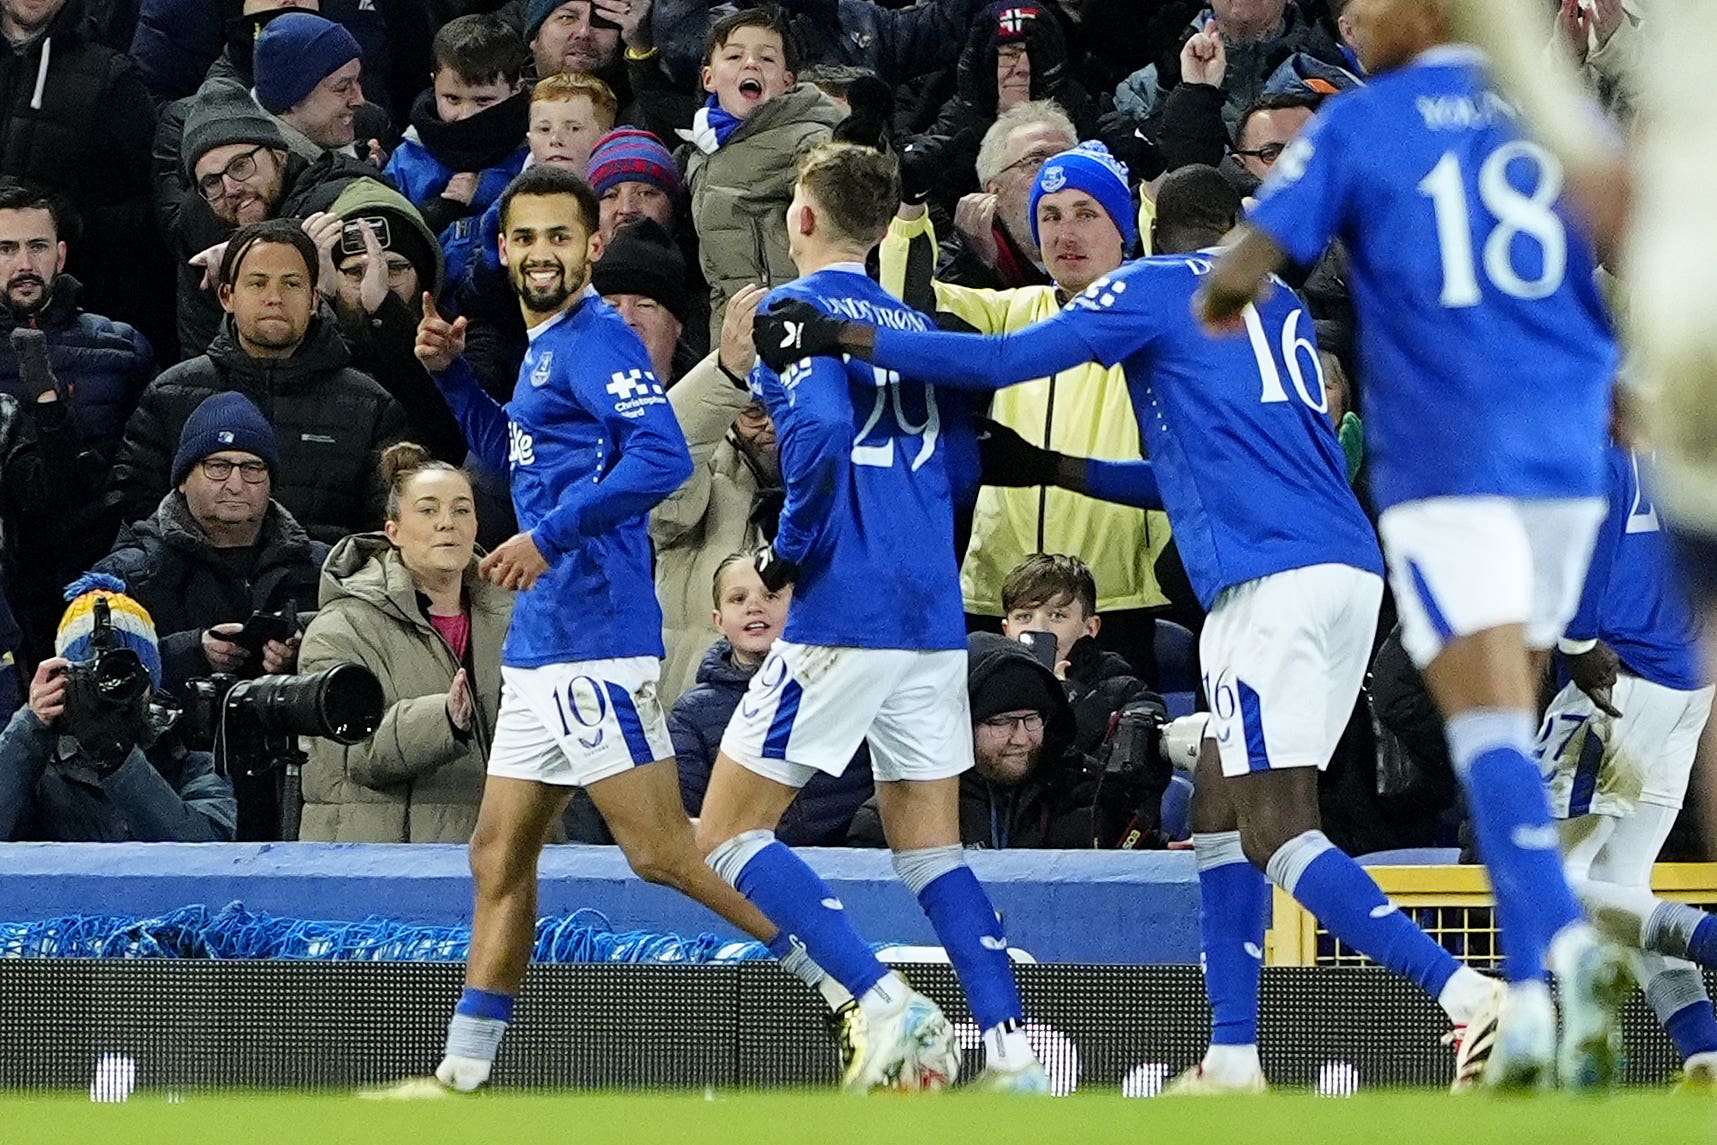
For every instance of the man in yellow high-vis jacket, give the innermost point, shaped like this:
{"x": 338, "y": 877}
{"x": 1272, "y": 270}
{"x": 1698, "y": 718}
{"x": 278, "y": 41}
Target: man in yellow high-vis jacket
{"x": 1083, "y": 411}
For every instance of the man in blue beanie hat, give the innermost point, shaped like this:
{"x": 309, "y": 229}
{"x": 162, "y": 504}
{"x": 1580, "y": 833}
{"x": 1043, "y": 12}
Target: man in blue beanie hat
{"x": 570, "y": 36}
{"x": 219, "y": 547}
{"x": 307, "y": 75}
{"x": 1080, "y": 244}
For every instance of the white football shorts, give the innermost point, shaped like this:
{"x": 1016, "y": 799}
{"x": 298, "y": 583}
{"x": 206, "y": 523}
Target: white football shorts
{"x": 1595, "y": 764}
{"x": 574, "y": 724}
{"x": 809, "y": 707}
{"x": 1461, "y": 565}
{"x": 1284, "y": 657}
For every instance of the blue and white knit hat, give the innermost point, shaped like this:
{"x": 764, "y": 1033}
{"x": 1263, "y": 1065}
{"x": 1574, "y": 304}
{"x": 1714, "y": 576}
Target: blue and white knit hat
{"x": 1090, "y": 168}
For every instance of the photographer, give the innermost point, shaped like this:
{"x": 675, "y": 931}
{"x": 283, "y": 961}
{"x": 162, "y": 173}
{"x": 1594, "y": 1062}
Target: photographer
{"x": 220, "y": 550}
{"x": 1030, "y": 786}
{"x": 409, "y": 604}
{"x": 82, "y": 765}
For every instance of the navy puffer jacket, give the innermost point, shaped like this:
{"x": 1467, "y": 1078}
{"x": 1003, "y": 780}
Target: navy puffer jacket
{"x": 104, "y": 364}
{"x": 824, "y": 810}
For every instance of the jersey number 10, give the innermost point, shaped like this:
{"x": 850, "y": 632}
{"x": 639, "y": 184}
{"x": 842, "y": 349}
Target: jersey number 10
{"x": 1532, "y": 216}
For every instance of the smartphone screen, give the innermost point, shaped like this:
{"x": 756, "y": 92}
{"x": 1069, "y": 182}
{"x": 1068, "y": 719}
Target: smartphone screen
{"x": 1042, "y": 645}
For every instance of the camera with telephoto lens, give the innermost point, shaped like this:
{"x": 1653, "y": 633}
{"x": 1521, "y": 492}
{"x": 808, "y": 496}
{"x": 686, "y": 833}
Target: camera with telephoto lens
{"x": 252, "y": 725}
{"x": 107, "y": 696}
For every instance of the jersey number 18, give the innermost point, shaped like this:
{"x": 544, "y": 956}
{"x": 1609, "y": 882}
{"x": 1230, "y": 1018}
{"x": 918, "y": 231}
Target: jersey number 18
{"x": 1517, "y": 215}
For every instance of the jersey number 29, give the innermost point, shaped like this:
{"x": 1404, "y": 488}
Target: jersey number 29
{"x": 889, "y": 420}
{"x": 1517, "y": 215}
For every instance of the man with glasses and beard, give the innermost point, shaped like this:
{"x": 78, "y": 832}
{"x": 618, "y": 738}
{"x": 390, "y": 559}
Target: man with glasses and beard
{"x": 591, "y": 445}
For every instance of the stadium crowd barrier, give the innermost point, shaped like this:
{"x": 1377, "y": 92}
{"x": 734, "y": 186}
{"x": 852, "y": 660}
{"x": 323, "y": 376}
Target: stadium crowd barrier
{"x": 1091, "y": 907}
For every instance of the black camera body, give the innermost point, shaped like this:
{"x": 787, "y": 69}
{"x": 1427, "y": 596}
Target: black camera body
{"x": 107, "y": 696}
{"x": 1133, "y": 753}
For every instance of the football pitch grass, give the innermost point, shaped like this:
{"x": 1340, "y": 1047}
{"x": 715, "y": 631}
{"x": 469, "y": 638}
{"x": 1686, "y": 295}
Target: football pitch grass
{"x": 823, "y": 1118}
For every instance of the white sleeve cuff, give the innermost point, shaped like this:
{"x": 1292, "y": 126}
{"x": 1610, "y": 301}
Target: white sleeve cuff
{"x": 1575, "y": 647}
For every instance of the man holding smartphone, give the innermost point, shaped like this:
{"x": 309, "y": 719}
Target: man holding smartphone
{"x": 220, "y": 565}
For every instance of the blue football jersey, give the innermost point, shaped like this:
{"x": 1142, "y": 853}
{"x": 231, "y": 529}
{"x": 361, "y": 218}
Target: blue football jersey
{"x": 591, "y": 446}
{"x": 872, "y": 461}
{"x": 1487, "y": 354}
{"x": 1249, "y": 469}
{"x": 1634, "y": 600}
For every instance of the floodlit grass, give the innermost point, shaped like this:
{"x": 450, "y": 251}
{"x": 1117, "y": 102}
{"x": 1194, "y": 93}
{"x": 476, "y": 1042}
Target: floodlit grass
{"x": 753, "y": 1118}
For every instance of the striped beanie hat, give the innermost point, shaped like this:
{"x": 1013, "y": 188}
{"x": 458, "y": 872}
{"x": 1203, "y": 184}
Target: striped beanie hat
{"x": 132, "y": 626}
{"x": 627, "y": 155}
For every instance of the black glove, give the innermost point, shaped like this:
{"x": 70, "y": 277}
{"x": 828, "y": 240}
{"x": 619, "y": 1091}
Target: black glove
{"x": 775, "y": 572}
{"x": 1009, "y": 460}
{"x": 921, "y": 162}
{"x": 791, "y": 330}
{"x": 34, "y": 373}
{"x": 872, "y": 106}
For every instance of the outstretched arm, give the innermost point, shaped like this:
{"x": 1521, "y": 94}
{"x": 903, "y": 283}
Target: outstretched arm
{"x": 1239, "y": 278}
{"x": 794, "y": 330}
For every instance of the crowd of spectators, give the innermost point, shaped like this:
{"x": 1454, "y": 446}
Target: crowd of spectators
{"x": 220, "y": 221}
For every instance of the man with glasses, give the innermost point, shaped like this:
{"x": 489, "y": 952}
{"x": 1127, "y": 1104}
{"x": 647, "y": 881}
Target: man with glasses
{"x": 992, "y": 245}
{"x": 1029, "y": 785}
{"x": 1268, "y": 126}
{"x": 276, "y": 348}
{"x": 217, "y": 550}
{"x": 238, "y": 168}
{"x": 218, "y": 547}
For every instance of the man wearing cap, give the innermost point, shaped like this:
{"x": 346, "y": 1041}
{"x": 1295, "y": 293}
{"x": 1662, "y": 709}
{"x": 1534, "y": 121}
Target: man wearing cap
{"x": 308, "y": 74}
{"x": 279, "y": 350}
{"x": 219, "y": 548}
{"x": 635, "y": 177}
{"x": 564, "y": 38}
{"x": 1029, "y": 786}
{"x": 643, "y": 275}
{"x": 1083, "y": 220}
{"x": 124, "y": 779}
{"x": 238, "y": 167}
{"x": 379, "y": 258}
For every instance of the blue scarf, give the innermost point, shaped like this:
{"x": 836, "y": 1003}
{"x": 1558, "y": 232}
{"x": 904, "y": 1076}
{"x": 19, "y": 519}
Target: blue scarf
{"x": 720, "y": 122}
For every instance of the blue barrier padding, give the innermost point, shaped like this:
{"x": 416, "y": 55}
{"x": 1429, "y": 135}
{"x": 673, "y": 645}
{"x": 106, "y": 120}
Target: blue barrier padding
{"x": 1060, "y": 906}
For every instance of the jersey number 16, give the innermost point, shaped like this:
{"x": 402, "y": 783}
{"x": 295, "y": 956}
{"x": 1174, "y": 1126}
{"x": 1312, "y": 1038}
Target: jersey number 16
{"x": 1293, "y": 349}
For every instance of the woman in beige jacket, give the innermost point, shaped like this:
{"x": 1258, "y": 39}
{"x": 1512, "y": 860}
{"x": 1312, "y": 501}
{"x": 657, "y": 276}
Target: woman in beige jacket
{"x": 408, "y": 605}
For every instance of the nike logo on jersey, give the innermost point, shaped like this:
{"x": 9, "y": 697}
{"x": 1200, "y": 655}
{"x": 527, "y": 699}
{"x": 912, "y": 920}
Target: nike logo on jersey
{"x": 1384, "y": 911}
{"x": 1252, "y": 949}
{"x": 833, "y": 904}
{"x": 1544, "y": 838}
{"x": 521, "y": 450}
{"x": 992, "y": 942}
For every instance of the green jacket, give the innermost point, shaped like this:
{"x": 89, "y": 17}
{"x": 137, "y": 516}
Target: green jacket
{"x": 740, "y": 192}
{"x": 414, "y": 781}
